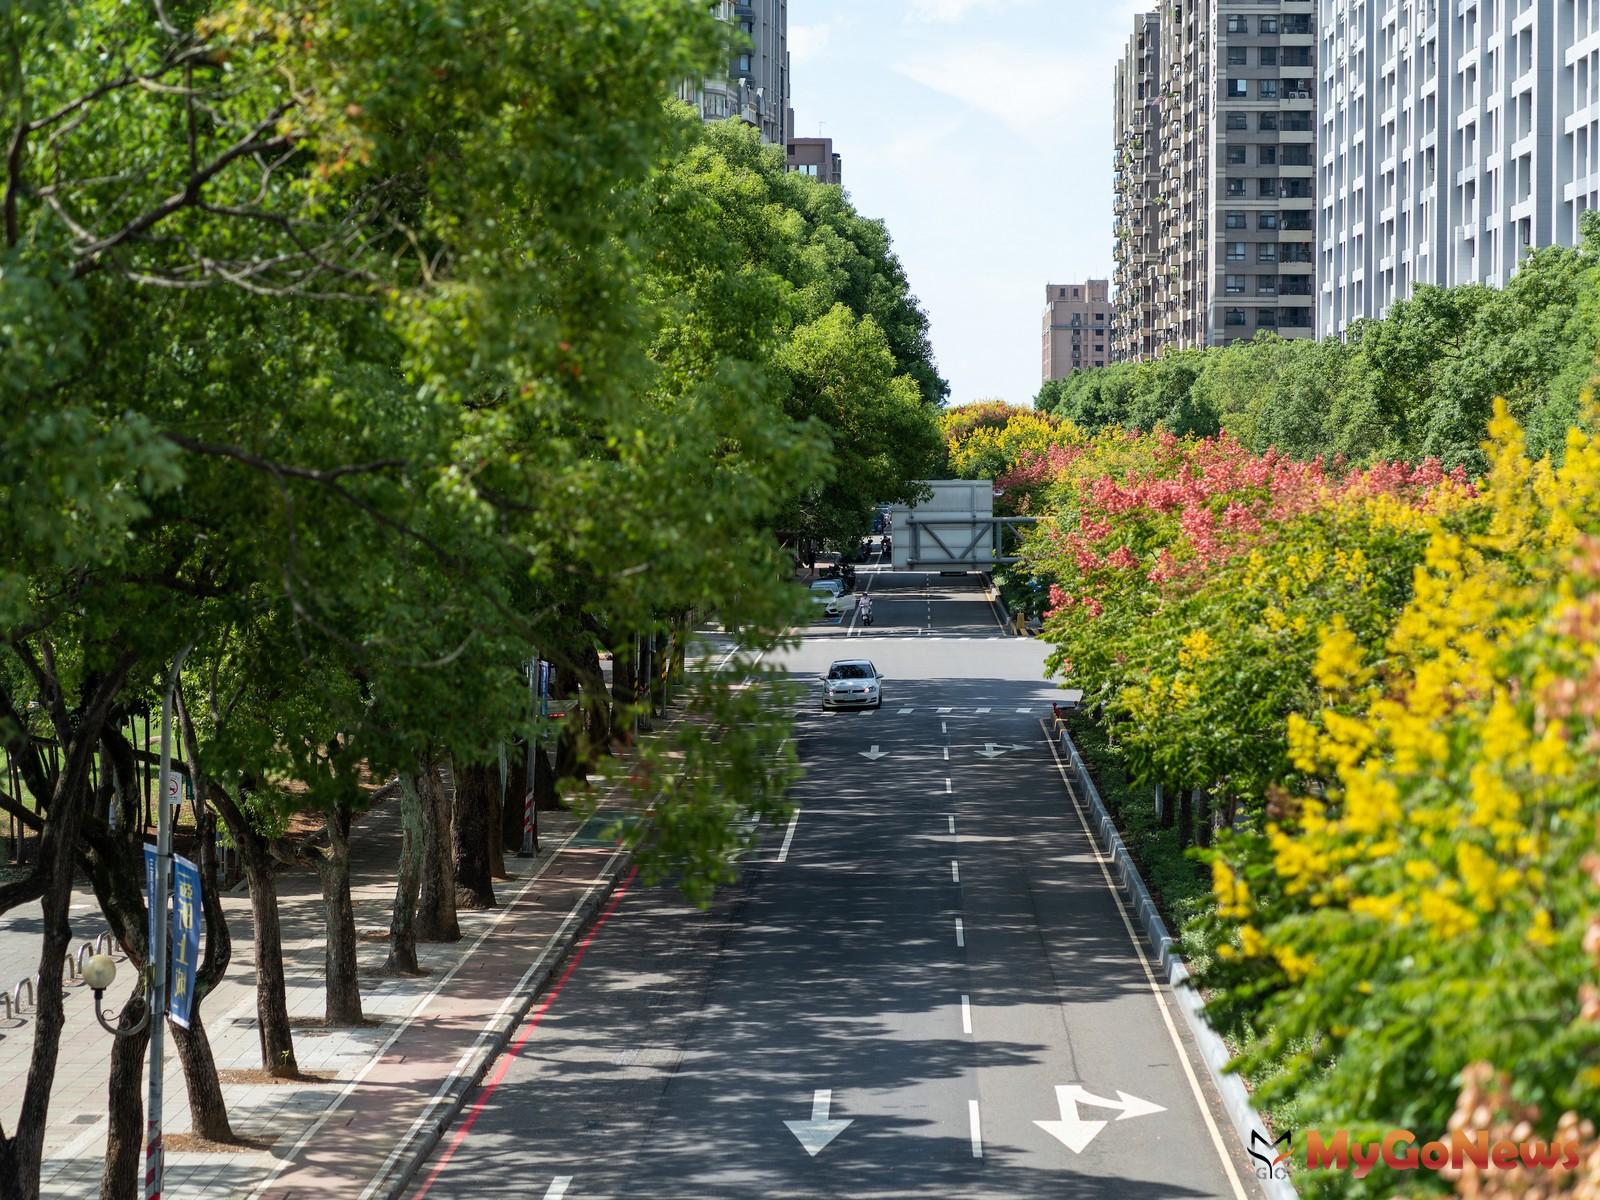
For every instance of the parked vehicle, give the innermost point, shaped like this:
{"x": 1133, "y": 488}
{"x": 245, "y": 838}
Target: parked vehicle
{"x": 852, "y": 683}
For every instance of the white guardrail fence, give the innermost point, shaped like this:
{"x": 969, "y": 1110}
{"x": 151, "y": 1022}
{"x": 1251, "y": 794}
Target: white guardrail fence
{"x": 1235, "y": 1098}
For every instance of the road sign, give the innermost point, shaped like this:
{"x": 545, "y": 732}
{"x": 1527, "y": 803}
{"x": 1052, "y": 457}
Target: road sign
{"x": 150, "y": 894}
{"x": 186, "y": 912}
{"x": 816, "y": 1133}
{"x": 1075, "y": 1133}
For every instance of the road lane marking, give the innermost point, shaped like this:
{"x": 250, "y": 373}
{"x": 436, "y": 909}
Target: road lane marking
{"x": 947, "y": 788}
{"x": 977, "y": 1132}
{"x": 945, "y": 710}
{"x": 961, "y": 933}
{"x": 952, "y": 821}
{"x": 982, "y": 710}
{"x": 944, "y": 726}
{"x": 557, "y": 1188}
{"x": 966, "y": 1015}
{"x": 947, "y": 754}
{"x": 1149, "y": 975}
{"x": 904, "y": 711}
{"x": 1024, "y": 710}
{"x": 955, "y": 871}
{"x": 783, "y": 854}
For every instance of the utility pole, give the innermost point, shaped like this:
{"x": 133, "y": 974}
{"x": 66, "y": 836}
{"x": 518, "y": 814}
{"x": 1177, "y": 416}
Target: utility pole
{"x": 161, "y": 917}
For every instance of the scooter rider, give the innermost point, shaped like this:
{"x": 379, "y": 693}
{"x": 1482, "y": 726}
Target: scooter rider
{"x": 866, "y": 609}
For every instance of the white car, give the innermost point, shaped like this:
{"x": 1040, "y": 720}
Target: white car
{"x": 852, "y": 683}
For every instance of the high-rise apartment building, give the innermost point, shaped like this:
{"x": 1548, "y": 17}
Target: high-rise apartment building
{"x": 756, "y": 88}
{"x": 1136, "y": 181}
{"x": 1077, "y": 327}
{"x": 1455, "y": 137}
{"x": 1234, "y": 203}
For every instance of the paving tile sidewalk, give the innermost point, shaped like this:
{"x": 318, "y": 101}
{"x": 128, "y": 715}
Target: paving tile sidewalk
{"x": 330, "y": 1138}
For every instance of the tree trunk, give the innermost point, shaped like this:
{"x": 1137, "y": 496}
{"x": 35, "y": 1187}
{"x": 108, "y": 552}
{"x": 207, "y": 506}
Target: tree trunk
{"x": 402, "y": 958}
{"x": 517, "y": 764}
{"x": 58, "y": 849}
{"x": 1204, "y": 824}
{"x": 474, "y": 796}
{"x": 272, "y": 1003}
{"x": 343, "y": 1006}
{"x": 545, "y": 796}
{"x": 643, "y": 696}
{"x": 119, "y": 1176}
{"x": 660, "y": 664}
{"x": 1185, "y": 818}
{"x": 622, "y": 697}
{"x": 1167, "y": 815}
{"x": 206, "y": 1104}
{"x": 436, "y": 896}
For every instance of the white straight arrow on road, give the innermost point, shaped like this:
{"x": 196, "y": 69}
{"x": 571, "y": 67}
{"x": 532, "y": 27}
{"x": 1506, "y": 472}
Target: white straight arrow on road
{"x": 1073, "y": 1132}
{"x": 874, "y": 754}
{"x": 816, "y": 1133}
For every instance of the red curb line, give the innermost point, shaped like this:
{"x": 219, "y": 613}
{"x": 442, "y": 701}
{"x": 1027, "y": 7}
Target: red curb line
{"x": 531, "y": 1024}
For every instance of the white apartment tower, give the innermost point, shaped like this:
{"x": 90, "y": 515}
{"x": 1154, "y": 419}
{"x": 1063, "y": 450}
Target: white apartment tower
{"x": 1455, "y": 136}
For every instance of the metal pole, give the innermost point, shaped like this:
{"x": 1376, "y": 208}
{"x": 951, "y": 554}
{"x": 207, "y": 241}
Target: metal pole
{"x": 533, "y": 746}
{"x": 159, "y": 905}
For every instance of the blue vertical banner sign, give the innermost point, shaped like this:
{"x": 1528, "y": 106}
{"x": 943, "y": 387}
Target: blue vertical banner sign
{"x": 185, "y": 938}
{"x": 149, "y": 894}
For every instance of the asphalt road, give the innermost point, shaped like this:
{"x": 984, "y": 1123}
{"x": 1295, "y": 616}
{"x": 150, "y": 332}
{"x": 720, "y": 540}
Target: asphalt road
{"x": 922, "y": 988}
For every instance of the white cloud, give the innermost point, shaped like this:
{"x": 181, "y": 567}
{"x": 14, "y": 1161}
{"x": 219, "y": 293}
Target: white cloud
{"x": 807, "y": 42}
{"x": 947, "y": 12}
{"x": 1031, "y": 91}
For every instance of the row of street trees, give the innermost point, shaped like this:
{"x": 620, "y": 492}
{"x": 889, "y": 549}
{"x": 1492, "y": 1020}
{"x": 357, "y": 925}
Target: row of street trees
{"x": 367, "y": 353}
{"x": 1420, "y": 382}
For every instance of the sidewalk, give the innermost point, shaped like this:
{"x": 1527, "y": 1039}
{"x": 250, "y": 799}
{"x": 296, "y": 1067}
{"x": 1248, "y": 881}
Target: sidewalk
{"x": 389, "y": 1083}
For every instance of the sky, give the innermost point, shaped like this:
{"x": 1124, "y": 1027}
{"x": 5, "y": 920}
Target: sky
{"x": 980, "y": 132}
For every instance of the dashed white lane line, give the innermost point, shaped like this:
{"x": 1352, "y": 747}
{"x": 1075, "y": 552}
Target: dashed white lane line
{"x": 961, "y": 933}
{"x": 952, "y": 821}
{"x": 944, "y": 710}
{"x": 558, "y": 1187}
{"x": 977, "y": 1132}
{"x": 944, "y": 726}
{"x": 905, "y": 711}
{"x": 966, "y": 1015}
{"x": 982, "y": 710}
{"x": 783, "y": 854}
{"x": 947, "y": 788}
{"x": 955, "y": 871}
{"x": 1024, "y": 710}
{"x": 947, "y": 754}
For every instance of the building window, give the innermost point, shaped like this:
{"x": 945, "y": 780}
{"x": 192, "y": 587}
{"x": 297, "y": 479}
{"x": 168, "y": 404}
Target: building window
{"x": 1269, "y": 24}
{"x": 1267, "y": 252}
{"x": 1266, "y": 285}
{"x": 1267, "y": 220}
{"x": 1234, "y": 285}
{"x": 1238, "y": 120}
{"x": 1236, "y": 155}
{"x": 1267, "y": 89}
{"x": 1236, "y": 187}
{"x": 1235, "y": 251}
{"x": 1267, "y": 189}
{"x": 1239, "y": 89}
{"x": 1269, "y": 122}
{"x": 1238, "y": 24}
{"x": 1269, "y": 56}
{"x": 1237, "y": 56}
{"x": 1235, "y": 316}
{"x": 1297, "y": 24}
{"x": 1267, "y": 156}
{"x": 1235, "y": 220}
{"x": 1266, "y": 318}
{"x": 1297, "y": 252}
{"x": 744, "y": 63}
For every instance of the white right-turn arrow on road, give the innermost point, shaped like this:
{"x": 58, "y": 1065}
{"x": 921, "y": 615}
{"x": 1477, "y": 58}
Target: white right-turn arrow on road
{"x": 816, "y": 1133}
{"x": 1075, "y": 1133}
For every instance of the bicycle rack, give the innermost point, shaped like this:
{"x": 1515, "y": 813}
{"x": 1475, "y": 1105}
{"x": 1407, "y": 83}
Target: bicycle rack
{"x": 106, "y": 944}
{"x": 33, "y": 996}
{"x": 5, "y": 998}
{"x": 74, "y": 975}
{"x": 84, "y": 951}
